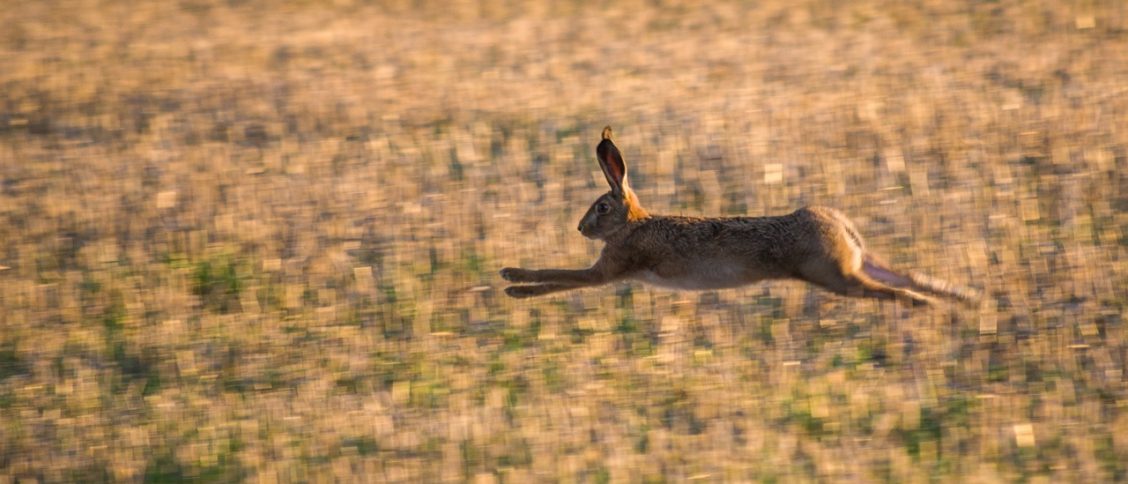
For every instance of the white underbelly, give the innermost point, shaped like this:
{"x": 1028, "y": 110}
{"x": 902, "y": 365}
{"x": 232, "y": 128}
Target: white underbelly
{"x": 716, "y": 277}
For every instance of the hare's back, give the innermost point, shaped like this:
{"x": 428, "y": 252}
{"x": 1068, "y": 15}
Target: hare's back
{"x": 713, "y": 253}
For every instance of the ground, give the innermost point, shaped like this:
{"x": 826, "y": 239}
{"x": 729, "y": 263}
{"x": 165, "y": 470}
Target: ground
{"x": 260, "y": 240}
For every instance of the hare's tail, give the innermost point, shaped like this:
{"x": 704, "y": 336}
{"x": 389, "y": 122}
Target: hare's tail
{"x": 918, "y": 282}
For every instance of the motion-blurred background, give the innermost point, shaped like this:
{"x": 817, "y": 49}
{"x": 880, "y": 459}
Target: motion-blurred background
{"x": 260, "y": 240}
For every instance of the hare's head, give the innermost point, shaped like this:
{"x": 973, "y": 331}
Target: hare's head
{"x": 616, "y": 208}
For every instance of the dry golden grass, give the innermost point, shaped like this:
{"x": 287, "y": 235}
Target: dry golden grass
{"x": 240, "y": 239}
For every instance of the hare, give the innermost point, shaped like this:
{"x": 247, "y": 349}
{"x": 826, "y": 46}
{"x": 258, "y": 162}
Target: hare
{"x": 814, "y": 244}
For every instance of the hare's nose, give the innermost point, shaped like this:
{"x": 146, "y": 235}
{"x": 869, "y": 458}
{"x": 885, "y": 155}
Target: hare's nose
{"x": 580, "y": 228}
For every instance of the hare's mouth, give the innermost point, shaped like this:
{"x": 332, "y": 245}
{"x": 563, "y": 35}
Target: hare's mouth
{"x": 586, "y": 230}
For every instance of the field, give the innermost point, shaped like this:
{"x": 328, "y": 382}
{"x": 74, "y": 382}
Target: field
{"x": 245, "y": 240}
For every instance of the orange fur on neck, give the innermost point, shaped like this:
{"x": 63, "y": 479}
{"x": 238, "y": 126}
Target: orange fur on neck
{"x": 635, "y": 212}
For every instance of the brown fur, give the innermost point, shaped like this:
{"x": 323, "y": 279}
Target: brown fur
{"x": 815, "y": 244}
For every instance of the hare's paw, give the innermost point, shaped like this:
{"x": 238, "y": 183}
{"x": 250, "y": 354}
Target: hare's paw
{"x": 513, "y": 274}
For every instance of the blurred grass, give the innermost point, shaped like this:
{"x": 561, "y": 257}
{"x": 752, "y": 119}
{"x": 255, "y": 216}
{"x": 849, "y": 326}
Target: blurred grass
{"x": 251, "y": 240}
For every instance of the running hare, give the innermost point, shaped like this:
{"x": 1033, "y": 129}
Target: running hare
{"x": 818, "y": 245}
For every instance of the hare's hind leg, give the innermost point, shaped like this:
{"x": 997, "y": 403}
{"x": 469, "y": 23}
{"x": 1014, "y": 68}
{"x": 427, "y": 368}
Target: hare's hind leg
{"x": 839, "y": 258}
{"x": 917, "y": 282}
{"x": 878, "y": 274}
{"x": 875, "y": 289}
{"x": 845, "y": 276}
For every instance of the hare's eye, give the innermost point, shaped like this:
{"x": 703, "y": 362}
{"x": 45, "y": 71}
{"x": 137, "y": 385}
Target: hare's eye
{"x": 603, "y": 208}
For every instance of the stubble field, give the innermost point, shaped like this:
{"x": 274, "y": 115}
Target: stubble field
{"x": 260, "y": 240}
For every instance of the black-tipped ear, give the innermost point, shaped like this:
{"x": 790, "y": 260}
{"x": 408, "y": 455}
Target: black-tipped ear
{"x": 611, "y": 161}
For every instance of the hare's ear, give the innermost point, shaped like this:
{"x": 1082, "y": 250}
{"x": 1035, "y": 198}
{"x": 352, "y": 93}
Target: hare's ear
{"x": 611, "y": 161}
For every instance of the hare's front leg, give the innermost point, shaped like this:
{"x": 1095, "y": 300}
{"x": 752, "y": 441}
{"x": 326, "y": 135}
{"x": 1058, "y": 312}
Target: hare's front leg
{"x": 545, "y": 281}
{"x": 573, "y": 277}
{"x": 530, "y": 290}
